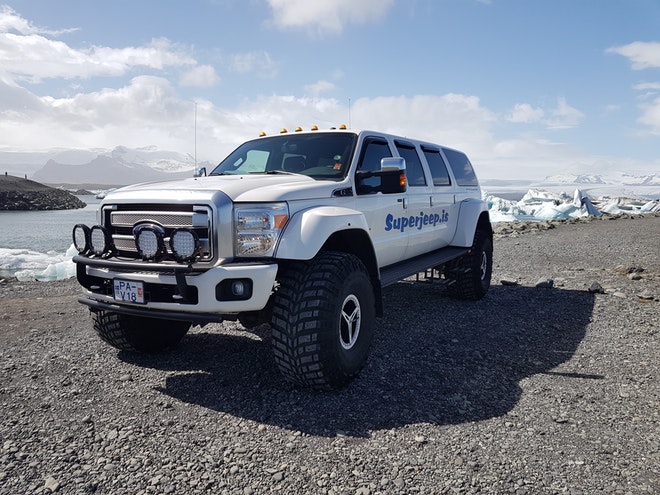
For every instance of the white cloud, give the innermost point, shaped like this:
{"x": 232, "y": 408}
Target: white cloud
{"x": 26, "y": 53}
{"x": 143, "y": 112}
{"x": 647, "y": 86}
{"x": 319, "y": 87}
{"x": 651, "y": 116}
{"x": 642, "y": 55}
{"x": 321, "y": 16}
{"x": 647, "y": 90}
{"x": 257, "y": 62}
{"x": 453, "y": 119}
{"x": 202, "y": 76}
{"x": 564, "y": 116}
{"x": 10, "y": 21}
{"x": 525, "y": 113}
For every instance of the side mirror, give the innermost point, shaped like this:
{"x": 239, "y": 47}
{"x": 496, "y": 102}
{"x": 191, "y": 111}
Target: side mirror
{"x": 200, "y": 172}
{"x": 393, "y": 175}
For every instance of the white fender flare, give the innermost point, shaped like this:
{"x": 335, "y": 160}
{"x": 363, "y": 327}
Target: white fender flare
{"x": 308, "y": 230}
{"x": 468, "y": 218}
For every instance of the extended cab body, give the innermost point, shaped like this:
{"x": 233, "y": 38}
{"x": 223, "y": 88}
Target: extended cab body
{"x": 300, "y": 230}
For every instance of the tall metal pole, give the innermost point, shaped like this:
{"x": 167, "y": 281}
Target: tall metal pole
{"x": 195, "y": 137}
{"x": 349, "y": 113}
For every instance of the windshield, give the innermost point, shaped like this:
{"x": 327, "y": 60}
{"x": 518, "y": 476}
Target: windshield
{"x": 320, "y": 156}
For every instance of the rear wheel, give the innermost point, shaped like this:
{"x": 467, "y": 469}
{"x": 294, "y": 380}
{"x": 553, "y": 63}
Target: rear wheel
{"x": 469, "y": 276}
{"x": 138, "y": 334}
{"x": 323, "y": 320}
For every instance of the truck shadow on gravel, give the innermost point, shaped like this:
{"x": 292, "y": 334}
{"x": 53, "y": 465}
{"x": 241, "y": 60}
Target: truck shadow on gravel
{"x": 434, "y": 360}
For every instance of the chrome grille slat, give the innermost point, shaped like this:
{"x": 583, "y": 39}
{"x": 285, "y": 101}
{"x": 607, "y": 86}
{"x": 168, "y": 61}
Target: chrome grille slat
{"x": 121, "y": 223}
{"x": 124, "y": 243}
{"x": 128, "y": 219}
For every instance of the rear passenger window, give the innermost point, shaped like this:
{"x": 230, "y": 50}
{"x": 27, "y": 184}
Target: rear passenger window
{"x": 462, "y": 168}
{"x": 438, "y": 167}
{"x": 414, "y": 168}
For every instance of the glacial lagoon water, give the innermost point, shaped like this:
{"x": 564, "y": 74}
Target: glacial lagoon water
{"x": 31, "y": 241}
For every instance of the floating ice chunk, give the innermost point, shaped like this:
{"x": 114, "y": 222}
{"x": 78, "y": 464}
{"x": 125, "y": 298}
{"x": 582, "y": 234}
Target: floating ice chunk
{"x": 538, "y": 204}
{"x": 32, "y": 265}
{"x": 651, "y": 207}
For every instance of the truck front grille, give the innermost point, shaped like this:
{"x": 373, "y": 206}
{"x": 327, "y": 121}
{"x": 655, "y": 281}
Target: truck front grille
{"x": 121, "y": 219}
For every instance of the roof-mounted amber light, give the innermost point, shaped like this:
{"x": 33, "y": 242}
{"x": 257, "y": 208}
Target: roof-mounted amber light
{"x": 262, "y": 134}
{"x": 283, "y": 130}
{"x": 315, "y": 128}
{"x": 343, "y": 127}
{"x": 298, "y": 129}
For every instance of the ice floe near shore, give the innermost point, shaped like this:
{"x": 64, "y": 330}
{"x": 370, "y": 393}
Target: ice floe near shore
{"x": 539, "y": 204}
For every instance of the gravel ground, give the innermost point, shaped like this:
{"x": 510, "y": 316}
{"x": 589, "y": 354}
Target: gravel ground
{"x": 533, "y": 390}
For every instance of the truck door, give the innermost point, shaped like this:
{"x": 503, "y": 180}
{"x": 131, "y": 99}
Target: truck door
{"x": 443, "y": 195}
{"x": 418, "y": 210}
{"x": 380, "y": 209}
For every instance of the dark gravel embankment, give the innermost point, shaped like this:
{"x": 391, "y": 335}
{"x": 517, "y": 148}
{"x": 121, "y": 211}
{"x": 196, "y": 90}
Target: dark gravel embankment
{"x": 530, "y": 391}
{"x": 24, "y": 194}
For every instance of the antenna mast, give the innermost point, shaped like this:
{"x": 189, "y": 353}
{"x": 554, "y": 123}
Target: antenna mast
{"x": 195, "y": 137}
{"x": 349, "y": 113}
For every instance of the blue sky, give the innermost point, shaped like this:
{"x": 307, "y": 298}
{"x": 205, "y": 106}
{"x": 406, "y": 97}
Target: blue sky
{"x": 528, "y": 88}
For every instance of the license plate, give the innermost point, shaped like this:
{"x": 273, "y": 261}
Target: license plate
{"x": 129, "y": 291}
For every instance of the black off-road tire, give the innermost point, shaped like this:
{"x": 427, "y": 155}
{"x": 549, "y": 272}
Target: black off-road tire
{"x": 323, "y": 320}
{"x": 469, "y": 276}
{"x": 137, "y": 334}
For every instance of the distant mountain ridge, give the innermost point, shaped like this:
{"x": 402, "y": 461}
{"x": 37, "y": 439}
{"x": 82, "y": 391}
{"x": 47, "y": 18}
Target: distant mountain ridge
{"x": 119, "y": 166}
{"x": 102, "y": 170}
{"x": 620, "y": 178}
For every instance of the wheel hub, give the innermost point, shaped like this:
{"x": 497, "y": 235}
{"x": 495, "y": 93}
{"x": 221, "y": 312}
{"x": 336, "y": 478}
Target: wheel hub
{"x": 483, "y": 269}
{"x": 349, "y": 323}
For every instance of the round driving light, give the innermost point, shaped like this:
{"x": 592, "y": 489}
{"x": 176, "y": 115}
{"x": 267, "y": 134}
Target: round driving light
{"x": 100, "y": 240}
{"x": 149, "y": 240}
{"x": 81, "y": 238}
{"x": 184, "y": 244}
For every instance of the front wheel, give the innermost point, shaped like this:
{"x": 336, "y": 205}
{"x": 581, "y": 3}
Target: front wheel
{"x": 138, "y": 334}
{"x": 469, "y": 276}
{"x": 323, "y": 320}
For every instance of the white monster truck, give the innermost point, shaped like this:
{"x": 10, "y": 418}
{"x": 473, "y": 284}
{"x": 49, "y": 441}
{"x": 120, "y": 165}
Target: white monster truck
{"x": 301, "y": 230}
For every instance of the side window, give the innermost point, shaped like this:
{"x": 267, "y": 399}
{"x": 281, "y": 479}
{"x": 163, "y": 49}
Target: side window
{"x": 438, "y": 167}
{"x": 462, "y": 168}
{"x": 373, "y": 150}
{"x": 414, "y": 168}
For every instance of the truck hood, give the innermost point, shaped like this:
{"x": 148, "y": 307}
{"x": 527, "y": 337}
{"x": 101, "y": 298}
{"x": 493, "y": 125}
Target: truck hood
{"x": 239, "y": 188}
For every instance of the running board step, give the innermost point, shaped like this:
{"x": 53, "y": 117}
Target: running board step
{"x": 393, "y": 273}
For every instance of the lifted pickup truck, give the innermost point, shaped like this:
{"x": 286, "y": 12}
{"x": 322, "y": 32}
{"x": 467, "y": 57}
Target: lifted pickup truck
{"x": 301, "y": 230}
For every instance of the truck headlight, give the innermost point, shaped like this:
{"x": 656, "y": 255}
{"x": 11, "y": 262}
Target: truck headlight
{"x": 257, "y": 228}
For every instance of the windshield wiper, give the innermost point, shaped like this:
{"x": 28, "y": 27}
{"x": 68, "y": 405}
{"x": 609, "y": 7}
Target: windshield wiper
{"x": 276, "y": 172}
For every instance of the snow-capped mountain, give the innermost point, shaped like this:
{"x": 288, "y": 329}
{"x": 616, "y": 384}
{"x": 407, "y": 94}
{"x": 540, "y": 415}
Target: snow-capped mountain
{"x": 162, "y": 160}
{"x": 616, "y": 178}
{"x": 119, "y": 166}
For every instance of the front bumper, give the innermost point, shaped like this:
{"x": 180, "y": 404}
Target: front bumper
{"x": 175, "y": 292}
